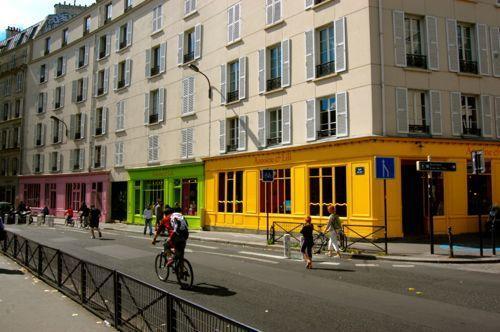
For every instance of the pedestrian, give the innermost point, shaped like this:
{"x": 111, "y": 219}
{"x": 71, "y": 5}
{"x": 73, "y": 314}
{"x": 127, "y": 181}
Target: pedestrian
{"x": 334, "y": 227}
{"x": 45, "y": 213}
{"x": 84, "y": 215}
{"x": 158, "y": 210}
{"x": 69, "y": 216}
{"x": 148, "y": 217}
{"x": 95, "y": 216}
{"x": 307, "y": 242}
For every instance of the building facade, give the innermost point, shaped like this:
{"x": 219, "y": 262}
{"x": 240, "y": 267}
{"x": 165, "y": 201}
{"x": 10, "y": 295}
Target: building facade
{"x": 311, "y": 89}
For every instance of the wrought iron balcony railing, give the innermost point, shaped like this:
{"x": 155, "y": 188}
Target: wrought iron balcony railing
{"x": 325, "y": 69}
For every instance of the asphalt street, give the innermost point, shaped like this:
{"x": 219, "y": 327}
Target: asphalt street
{"x": 264, "y": 290}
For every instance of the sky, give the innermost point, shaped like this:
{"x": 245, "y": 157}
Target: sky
{"x": 24, "y": 13}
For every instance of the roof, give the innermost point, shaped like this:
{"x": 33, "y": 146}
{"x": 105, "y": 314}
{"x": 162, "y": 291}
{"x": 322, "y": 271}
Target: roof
{"x": 19, "y": 38}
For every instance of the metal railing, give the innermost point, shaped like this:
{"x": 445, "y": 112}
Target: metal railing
{"x": 419, "y": 129}
{"x": 369, "y": 237}
{"x": 279, "y": 229}
{"x": 324, "y": 69}
{"x": 468, "y": 66}
{"x": 416, "y": 60}
{"x": 188, "y": 57}
{"x": 273, "y": 83}
{"x": 232, "y": 96}
{"x": 126, "y": 302}
{"x": 121, "y": 84}
{"x": 326, "y": 133}
{"x": 232, "y": 147}
{"x": 153, "y": 118}
{"x": 274, "y": 141}
{"x": 472, "y": 131}
{"x": 155, "y": 70}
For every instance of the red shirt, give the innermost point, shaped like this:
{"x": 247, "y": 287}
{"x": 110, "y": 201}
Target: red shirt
{"x": 166, "y": 223}
{"x": 69, "y": 212}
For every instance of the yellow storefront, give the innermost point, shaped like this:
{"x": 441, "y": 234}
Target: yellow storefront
{"x": 308, "y": 178}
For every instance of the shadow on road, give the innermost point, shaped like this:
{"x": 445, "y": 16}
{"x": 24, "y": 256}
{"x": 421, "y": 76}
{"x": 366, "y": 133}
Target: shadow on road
{"x": 15, "y": 272}
{"x": 332, "y": 270}
{"x": 210, "y": 289}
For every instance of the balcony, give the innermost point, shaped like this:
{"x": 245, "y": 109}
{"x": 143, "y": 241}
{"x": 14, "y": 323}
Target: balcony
{"x": 468, "y": 66}
{"x": 57, "y": 105}
{"x": 76, "y": 167}
{"x": 326, "y": 133}
{"x": 42, "y": 79}
{"x": 471, "y": 131}
{"x": 155, "y": 70}
{"x": 97, "y": 164}
{"x": 79, "y": 98}
{"x": 100, "y": 91}
{"x": 38, "y": 142}
{"x": 232, "y": 96}
{"x": 153, "y": 118}
{"x": 188, "y": 57}
{"x": 274, "y": 141}
{"x": 325, "y": 69}
{"x": 416, "y": 61}
{"x": 419, "y": 129}
{"x": 98, "y": 131}
{"x": 123, "y": 43}
{"x": 78, "y": 135}
{"x": 121, "y": 84}
{"x": 232, "y": 147}
{"x": 54, "y": 168}
{"x": 273, "y": 83}
{"x": 40, "y": 110}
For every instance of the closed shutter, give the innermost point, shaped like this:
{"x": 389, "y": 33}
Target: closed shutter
{"x": 117, "y": 39}
{"x": 497, "y": 113}
{"x": 161, "y": 104}
{"x": 197, "y": 41}
{"x": 262, "y": 128}
{"x": 236, "y": 25}
{"x": 435, "y": 101}
{"x": 81, "y": 158}
{"x": 187, "y": 7}
{"x": 180, "y": 49}
{"x": 242, "y": 134}
{"x": 230, "y": 24}
{"x": 310, "y": 55}
{"x": 309, "y": 4}
{"x": 286, "y": 124}
{"x": 130, "y": 27}
{"x": 103, "y": 156}
{"x": 147, "y": 72}
{"x": 54, "y": 67}
{"x": 115, "y": 77}
{"x": 128, "y": 66}
{"x": 277, "y": 10}
{"x": 44, "y": 101}
{"x": 285, "y": 63}
{"x": 63, "y": 95}
{"x": 106, "y": 80}
{"x": 456, "y": 117}
{"x": 74, "y": 86}
{"x": 483, "y": 51}
{"x": 402, "y": 110}
{"x": 452, "y": 38}
{"x": 163, "y": 57}
{"x": 54, "y": 99}
{"x": 85, "y": 88}
{"x": 72, "y": 126}
{"x": 495, "y": 50}
{"x": 64, "y": 62}
{"x": 60, "y": 131}
{"x": 146, "y": 108}
{"x": 223, "y": 86}
{"x": 487, "y": 116}
{"x": 269, "y": 12}
{"x": 432, "y": 42}
{"x": 117, "y": 153}
{"x": 242, "y": 89}
{"x": 77, "y": 58}
{"x": 262, "y": 71}
{"x": 311, "y": 120}
{"x": 119, "y": 115}
{"x": 222, "y": 136}
{"x": 398, "y": 18}
{"x": 59, "y": 162}
{"x": 342, "y": 114}
{"x": 108, "y": 44}
{"x": 191, "y": 94}
{"x": 94, "y": 83}
{"x": 183, "y": 143}
{"x": 42, "y": 163}
{"x": 83, "y": 126}
{"x": 153, "y": 22}
{"x": 92, "y": 121}
{"x": 190, "y": 142}
{"x": 104, "y": 115}
{"x": 340, "y": 45}
{"x": 46, "y": 73}
{"x": 185, "y": 96}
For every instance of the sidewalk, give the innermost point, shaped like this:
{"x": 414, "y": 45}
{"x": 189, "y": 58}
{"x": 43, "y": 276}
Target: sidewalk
{"x": 398, "y": 251}
{"x": 28, "y": 304}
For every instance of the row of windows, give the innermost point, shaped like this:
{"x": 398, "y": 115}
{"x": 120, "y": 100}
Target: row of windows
{"x": 10, "y": 138}
{"x": 6, "y": 85}
{"x": 12, "y": 110}
{"x": 9, "y": 167}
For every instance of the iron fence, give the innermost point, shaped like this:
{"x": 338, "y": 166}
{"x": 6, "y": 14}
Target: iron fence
{"x": 126, "y": 302}
{"x": 279, "y": 229}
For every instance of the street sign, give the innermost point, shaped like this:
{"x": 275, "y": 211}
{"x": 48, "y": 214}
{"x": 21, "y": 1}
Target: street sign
{"x": 385, "y": 168}
{"x": 436, "y": 166}
{"x": 478, "y": 162}
{"x": 267, "y": 175}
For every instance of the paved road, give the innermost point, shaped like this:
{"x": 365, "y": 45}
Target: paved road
{"x": 262, "y": 289}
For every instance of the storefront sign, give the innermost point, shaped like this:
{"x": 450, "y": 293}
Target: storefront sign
{"x": 273, "y": 159}
{"x": 360, "y": 171}
{"x": 432, "y": 166}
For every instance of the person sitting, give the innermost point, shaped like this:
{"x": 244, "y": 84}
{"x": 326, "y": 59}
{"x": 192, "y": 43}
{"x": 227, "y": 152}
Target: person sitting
{"x": 69, "y": 216}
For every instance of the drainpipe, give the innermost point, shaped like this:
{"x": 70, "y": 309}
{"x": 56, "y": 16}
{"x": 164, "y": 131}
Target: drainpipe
{"x": 382, "y": 65}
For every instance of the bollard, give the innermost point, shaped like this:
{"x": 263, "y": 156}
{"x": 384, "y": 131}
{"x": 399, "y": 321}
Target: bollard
{"x": 450, "y": 242}
{"x": 287, "y": 252}
{"x": 50, "y": 221}
{"x": 6, "y": 218}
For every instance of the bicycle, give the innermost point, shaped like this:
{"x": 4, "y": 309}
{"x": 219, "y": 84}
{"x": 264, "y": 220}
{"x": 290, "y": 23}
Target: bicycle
{"x": 321, "y": 242}
{"x": 181, "y": 268}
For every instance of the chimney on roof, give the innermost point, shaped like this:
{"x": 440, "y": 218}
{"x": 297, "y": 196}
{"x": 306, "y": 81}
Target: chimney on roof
{"x": 68, "y": 8}
{"x": 11, "y": 31}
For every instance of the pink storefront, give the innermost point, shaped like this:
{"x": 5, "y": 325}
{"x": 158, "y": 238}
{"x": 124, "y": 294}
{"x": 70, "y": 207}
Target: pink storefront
{"x": 58, "y": 192}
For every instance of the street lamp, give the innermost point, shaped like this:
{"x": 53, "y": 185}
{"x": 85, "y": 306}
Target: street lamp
{"x": 196, "y": 69}
{"x": 55, "y": 118}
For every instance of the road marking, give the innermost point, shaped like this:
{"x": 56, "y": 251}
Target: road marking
{"x": 402, "y": 265}
{"x": 329, "y": 263}
{"x": 201, "y": 246}
{"x": 367, "y": 265}
{"x": 261, "y": 255}
{"x": 238, "y": 256}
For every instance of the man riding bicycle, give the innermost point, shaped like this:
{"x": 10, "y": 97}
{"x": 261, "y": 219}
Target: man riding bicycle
{"x": 179, "y": 235}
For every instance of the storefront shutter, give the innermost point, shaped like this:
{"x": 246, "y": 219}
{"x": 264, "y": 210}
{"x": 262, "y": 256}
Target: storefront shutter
{"x": 285, "y": 63}
{"x": 452, "y": 38}
{"x": 310, "y": 55}
{"x": 242, "y": 89}
{"x": 262, "y": 128}
{"x": 180, "y": 49}
{"x": 398, "y": 18}
{"x": 130, "y": 27}
{"x": 340, "y": 45}
{"x": 262, "y": 71}
{"x": 495, "y": 50}
{"x": 163, "y": 57}
{"x": 311, "y": 120}
{"x": 222, "y": 136}
{"x": 115, "y": 77}
{"x": 482, "y": 48}
{"x": 497, "y": 112}
{"x": 242, "y": 135}
{"x": 432, "y": 42}
{"x": 106, "y": 80}
{"x": 147, "y": 71}
{"x": 487, "y": 116}
{"x": 456, "y": 117}
{"x": 146, "y": 108}
{"x": 223, "y": 89}
{"x": 197, "y": 41}
{"x": 402, "y": 110}
{"x": 74, "y": 86}
{"x": 108, "y": 44}
{"x": 435, "y": 101}
{"x": 342, "y": 114}
{"x": 161, "y": 104}
{"x": 286, "y": 124}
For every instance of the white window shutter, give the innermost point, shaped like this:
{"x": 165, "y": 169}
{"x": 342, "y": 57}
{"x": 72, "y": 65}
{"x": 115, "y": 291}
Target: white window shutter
{"x": 83, "y": 125}
{"x": 340, "y": 45}
{"x": 398, "y": 21}
{"x": 108, "y": 43}
{"x": 262, "y": 128}
{"x": 81, "y": 158}
{"x": 103, "y": 156}
{"x": 180, "y": 49}
{"x": 242, "y": 89}
{"x": 59, "y": 162}
{"x": 77, "y": 58}
{"x": 197, "y": 41}
{"x": 86, "y": 56}
{"x": 487, "y": 116}
{"x": 94, "y": 83}
{"x": 497, "y": 114}
{"x": 148, "y": 63}
{"x": 191, "y": 94}
{"x": 482, "y": 49}
{"x": 286, "y": 124}
{"x": 285, "y": 63}
{"x": 495, "y": 50}
{"x": 130, "y": 27}
{"x": 230, "y": 24}
{"x": 119, "y": 115}
{"x": 456, "y": 116}
{"x": 193, "y": 5}
{"x": 106, "y": 80}
{"x": 61, "y": 130}
{"x": 128, "y": 71}
{"x": 161, "y": 104}
{"x": 115, "y": 77}
{"x": 402, "y": 110}
{"x": 117, "y": 39}
{"x": 262, "y": 71}
{"x": 452, "y": 39}
{"x": 42, "y": 162}
{"x": 44, "y": 131}
{"x": 54, "y": 67}
{"x": 184, "y": 144}
{"x": 435, "y": 103}
{"x": 104, "y": 115}
{"x": 190, "y": 142}
{"x": 63, "y": 95}
{"x": 342, "y": 114}
{"x": 242, "y": 134}
{"x": 222, "y": 136}
{"x": 154, "y": 20}
{"x": 269, "y": 12}
{"x": 163, "y": 57}
{"x": 46, "y": 73}
{"x": 64, "y": 62}
{"x": 311, "y": 120}
{"x": 72, "y": 125}
{"x": 92, "y": 121}
{"x": 277, "y": 10}
{"x": 309, "y": 4}
{"x": 223, "y": 86}
{"x": 146, "y": 108}
{"x": 237, "y": 22}
{"x": 117, "y": 154}
{"x": 185, "y": 95}
{"x": 74, "y": 86}
{"x": 85, "y": 88}
{"x": 187, "y": 7}
{"x": 310, "y": 55}
{"x": 432, "y": 42}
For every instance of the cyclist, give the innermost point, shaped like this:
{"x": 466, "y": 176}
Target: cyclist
{"x": 179, "y": 235}
{"x": 69, "y": 216}
{"x": 164, "y": 224}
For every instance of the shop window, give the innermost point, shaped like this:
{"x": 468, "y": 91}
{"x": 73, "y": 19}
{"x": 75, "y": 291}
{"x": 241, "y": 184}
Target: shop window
{"x": 75, "y": 195}
{"x": 50, "y": 195}
{"x": 231, "y": 192}
{"x": 32, "y": 194}
{"x": 479, "y": 197}
{"x": 437, "y": 195}
{"x": 277, "y": 193}
{"x": 327, "y": 185}
{"x": 152, "y": 191}
{"x": 137, "y": 197}
{"x": 186, "y": 191}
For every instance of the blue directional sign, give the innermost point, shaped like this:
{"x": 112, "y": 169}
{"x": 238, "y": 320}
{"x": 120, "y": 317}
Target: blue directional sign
{"x": 267, "y": 175}
{"x": 385, "y": 168}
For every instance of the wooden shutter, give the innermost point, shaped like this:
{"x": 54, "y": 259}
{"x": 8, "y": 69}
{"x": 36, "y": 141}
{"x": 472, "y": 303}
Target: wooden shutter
{"x": 310, "y": 55}
{"x": 277, "y": 10}
{"x": 269, "y": 12}
{"x": 115, "y": 77}
{"x": 236, "y": 24}
{"x": 153, "y": 22}
{"x": 180, "y": 49}
{"x": 285, "y": 63}
{"x": 83, "y": 126}
{"x": 435, "y": 103}
{"x": 262, "y": 128}
{"x": 191, "y": 94}
{"x": 222, "y": 136}
{"x": 128, "y": 66}
{"x": 487, "y": 116}
{"x": 103, "y": 156}
{"x": 59, "y": 162}
{"x": 242, "y": 134}
{"x": 497, "y": 113}
{"x": 104, "y": 115}
{"x": 108, "y": 43}
{"x": 187, "y": 7}
{"x": 117, "y": 38}
{"x": 95, "y": 78}
{"x": 106, "y": 80}
{"x": 81, "y": 158}
{"x": 130, "y": 27}
{"x": 148, "y": 63}
{"x": 185, "y": 96}
{"x": 262, "y": 71}
{"x": 86, "y": 56}
{"x": 483, "y": 50}
{"x": 311, "y": 120}
{"x": 456, "y": 117}
{"x": 223, "y": 86}
{"x": 398, "y": 18}
{"x": 184, "y": 144}
{"x": 63, "y": 95}
{"x": 495, "y": 50}
{"x": 432, "y": 42}
{"x": 77, "y": 58}
{"x": 342, "y": 114}
{"x": 242, "y": 89}
{"x": 64, "y": 62}
{"x": 452, "y": 38}
{"x": 197, "y": 41}
{"x": 163, "y": 57}
{"x": 286, "y": 124}
{"x": 190, "y": 142}
{"x": 74, "y": 92}
{"x": 93, "y": 114}
{"x": 44, "y": 101}
{"x": 72, "y": 125}
{"x": 402, "y": 110}
{"x": 161, "y": 104}
{"x": 230, "y": 24}
{"x": 85, "y": 87}
{"x": 340, "y": 45}
{"x": 146, "y": 108}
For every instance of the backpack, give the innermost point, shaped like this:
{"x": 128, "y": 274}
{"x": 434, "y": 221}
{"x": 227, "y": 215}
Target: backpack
{"x": 181, "y": 224}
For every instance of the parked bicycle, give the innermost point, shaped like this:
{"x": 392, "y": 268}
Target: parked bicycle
{"x": 181, "y": 268}
{"x": 321, "y": 242}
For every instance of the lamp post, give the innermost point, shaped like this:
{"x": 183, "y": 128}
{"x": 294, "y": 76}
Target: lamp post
{"x": 196, "y": 69}
{"x": 55, "y": 118}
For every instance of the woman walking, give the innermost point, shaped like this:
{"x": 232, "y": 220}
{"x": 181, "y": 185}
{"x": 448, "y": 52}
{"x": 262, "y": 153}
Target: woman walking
{"x": 333, "y": 227}
{"x": 307, "y": 244}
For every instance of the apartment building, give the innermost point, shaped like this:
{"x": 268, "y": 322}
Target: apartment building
{"x": 300, "y": 87}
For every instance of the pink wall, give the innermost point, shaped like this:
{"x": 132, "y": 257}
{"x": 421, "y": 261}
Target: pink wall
{"x": 61, "y": 181}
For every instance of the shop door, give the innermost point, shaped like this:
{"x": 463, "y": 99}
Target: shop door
{"x": 413, "y": 194}
{"x": 119, "y": 201}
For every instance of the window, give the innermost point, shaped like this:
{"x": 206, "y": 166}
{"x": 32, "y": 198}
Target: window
{"x": 55, "y": 161}
{"x": 233, "y": 134}
{"x": 99, "y": 156}
{"x": 6, "y": 111}
{"x": 127, "y": 5}
{"x": 100, "y": 121}
{"x": 233, "y": 23}
{"x": 154, "y": 109}
{"x": 414, "y": 42}
{"x": 327, "y": 117}
{"x": 231, "y": 192}
{"x": 86, "y": 25}
{"x": 47, "y": 46}
{"x": 77, "y": 159}
{"x": 326, "y": 51}
{"x": 188, "y": 96}
{"x": 274, "y": 67}
{"x": 417, "y": 112}
{"x": 78, "y": 123}
{"x": 75, "y": 195}
{"x": 187, "y": 143}
{"x": 19, "y": 81}
{"x": 118, "y": 154}
{"x": 189, "y": 46}
{"x": 234, "y": 81}
{"x": 467, "y": 48}
{"x": 39, "y": 134}
{"x": 189, "y": 42}
{"x": 120, "y": 115}
{"x": 274, "y": 80}
{"x": 7, "y": 87}
{"x": 156, "y": 60}
{"x": 58, "y": 98}
{"x": 4, "y": 139}
{"x": 43, "y": 74}
{"x": 277, "y": 194}
{"x": 273, "y": 11}
{"x": 16, "y": 137}
{"x": 79, "y": 90}
{"x": 104, "y": 46}
{"x": 327, "y": 185}
{"x": 189, "y": 7}
{"x": 82, "y": 57}
{"x": 57, "y": 131}
{"x": 123, "y": 36}
{"x": 153, "y": 147}
{"x": 18, "y": 106}
{"x": 32, "y": 194}
{"x": 152, "y": 191}
{"x": 108, "y": 12}
{"x": 60, "y": 67}
{"x": 15, "y": 166}
{"x": 233, "y": 78}
{"x": 101, "y": 82}
{"x": 274, "y": 126}
{"x": 42, "y": 102}
{"x": 157, "y": 19}
{"x": 188, "y": 188}
{"x": 122, "y": 74}
{"x": 470, "y": 116}
{"x": 479, "y": 190}
{"x": 38, "y": 163}
{"x": 65, "y": 37}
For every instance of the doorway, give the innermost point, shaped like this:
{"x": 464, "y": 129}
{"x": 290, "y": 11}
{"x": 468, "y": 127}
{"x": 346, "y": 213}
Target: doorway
{"x": 119, "y": 201}
{"x": 413, "y": 198}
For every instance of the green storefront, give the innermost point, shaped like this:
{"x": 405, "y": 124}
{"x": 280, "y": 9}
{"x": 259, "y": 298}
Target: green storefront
{"x": 176, "y": 185}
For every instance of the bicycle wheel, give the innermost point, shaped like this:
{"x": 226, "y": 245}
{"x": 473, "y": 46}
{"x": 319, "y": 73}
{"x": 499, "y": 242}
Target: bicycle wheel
{"x": 318, "y": 243}
{"x": 161, "y": 268}
{"x": 342, "y": 242}
{"x": 184, "y": 274}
